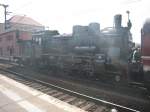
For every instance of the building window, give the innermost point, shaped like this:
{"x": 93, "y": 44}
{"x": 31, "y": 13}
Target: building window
{"x": 11, "y": 51}
{"x": 8, "y": 48}
{"x": 0, "y": 39}
{"x": 1, "y": 51}
{"x": 9, "y": 38}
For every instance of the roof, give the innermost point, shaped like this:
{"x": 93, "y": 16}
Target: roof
{"x": 24, "y": 20}
{"x": 63, "y": 35}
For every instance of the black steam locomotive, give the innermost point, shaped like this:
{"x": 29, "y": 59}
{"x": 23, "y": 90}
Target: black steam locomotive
{"x": 87, "y": 52}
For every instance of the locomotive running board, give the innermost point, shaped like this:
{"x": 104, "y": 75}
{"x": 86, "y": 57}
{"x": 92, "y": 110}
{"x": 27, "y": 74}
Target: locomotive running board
{"x": 138, "y": 84}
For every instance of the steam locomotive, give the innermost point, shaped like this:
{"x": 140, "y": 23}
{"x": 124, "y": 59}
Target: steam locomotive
{"x": 87, "y": 52}
{"x": 105, "y": 54}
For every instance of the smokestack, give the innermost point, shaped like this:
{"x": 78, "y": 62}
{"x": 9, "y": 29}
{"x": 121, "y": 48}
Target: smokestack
{"x": 117, "y": 20}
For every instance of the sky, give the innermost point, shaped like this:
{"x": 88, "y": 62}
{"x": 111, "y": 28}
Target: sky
{"x": 63, "y": 14}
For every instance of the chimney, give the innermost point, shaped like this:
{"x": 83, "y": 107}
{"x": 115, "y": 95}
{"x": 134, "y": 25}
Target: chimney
{"x": 117, "y": 21}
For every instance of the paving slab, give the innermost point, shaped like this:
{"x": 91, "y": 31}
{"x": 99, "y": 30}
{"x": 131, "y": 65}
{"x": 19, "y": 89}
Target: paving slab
{"x": 17, "y": 97}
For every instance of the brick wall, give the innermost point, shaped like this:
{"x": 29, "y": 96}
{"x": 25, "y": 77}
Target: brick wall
{"x": 9, "y": 44}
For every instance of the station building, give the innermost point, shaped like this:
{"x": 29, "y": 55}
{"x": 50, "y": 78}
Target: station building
{"x": 19, "y": 29}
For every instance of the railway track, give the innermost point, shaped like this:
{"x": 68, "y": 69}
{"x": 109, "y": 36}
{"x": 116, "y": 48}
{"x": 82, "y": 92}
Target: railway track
{"x": 85, "y": 102}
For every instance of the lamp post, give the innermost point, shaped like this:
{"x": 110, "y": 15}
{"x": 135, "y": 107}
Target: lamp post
{"x": 5, "y": 13}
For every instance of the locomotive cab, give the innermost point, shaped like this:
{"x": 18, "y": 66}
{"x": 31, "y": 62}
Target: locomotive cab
{"x": 135, "y": 66}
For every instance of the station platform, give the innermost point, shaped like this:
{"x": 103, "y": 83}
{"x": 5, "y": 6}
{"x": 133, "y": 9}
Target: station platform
{"x": 17, "y": 97}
